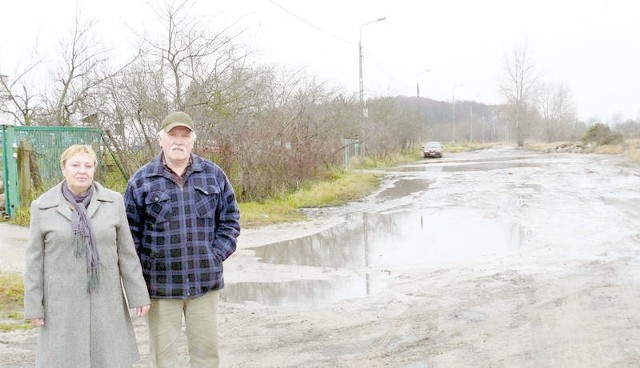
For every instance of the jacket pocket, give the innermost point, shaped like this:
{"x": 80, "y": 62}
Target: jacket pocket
{"x": 206, "y": 201}
{"x": 158, "y": 208}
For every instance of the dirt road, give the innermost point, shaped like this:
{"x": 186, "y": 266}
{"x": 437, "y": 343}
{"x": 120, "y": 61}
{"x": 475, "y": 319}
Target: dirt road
{"x": 498, "y": 258}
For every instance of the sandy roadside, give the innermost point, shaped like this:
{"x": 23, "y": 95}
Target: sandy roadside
{"x": 12, "y": 245}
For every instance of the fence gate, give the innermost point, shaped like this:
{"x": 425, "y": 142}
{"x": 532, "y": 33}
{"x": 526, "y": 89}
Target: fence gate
{"x": 351, "y": 147}
{"x": 38, "y": 149}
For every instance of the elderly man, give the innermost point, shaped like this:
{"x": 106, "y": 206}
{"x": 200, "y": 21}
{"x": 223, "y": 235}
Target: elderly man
{"x": 185, "y": 222}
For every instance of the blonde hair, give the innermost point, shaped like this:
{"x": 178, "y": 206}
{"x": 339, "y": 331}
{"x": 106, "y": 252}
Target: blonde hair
{"x": 74, "y": 150}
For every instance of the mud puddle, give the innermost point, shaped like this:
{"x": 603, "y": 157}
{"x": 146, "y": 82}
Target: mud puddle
{"x": 367, "y": 243}
{"x": 469, "y": 166}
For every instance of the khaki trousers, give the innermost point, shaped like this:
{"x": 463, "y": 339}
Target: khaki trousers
{"x": 165, "y": 324}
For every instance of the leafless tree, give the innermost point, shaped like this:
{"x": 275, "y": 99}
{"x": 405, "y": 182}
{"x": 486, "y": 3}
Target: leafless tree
{"x": 188, "y": 69}
{"x": 558, "y": 112}
{"x": 385, "y": 129}
{"x": 191, "y": 54}
{"x": 287, "y": 136}
{"x": 82, "y": 69}
{"x": 72, "y": 84}
{"x": 19, "y": 99}
{"x": 132, "y": 106}
{"x": 520, "y": 85}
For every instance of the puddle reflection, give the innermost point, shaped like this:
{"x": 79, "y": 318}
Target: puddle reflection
{"x": 481, "y": 166}
{"x": 403, "y": 188}
{"x": 487, "y": 166}
{"x": 378, "y": 240}
{"x": 374, "y": 241}
{"x": 305, "y": 293}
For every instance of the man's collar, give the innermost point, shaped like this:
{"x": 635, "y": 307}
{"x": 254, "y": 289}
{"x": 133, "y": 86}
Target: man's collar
{"x": 164, "y": 163}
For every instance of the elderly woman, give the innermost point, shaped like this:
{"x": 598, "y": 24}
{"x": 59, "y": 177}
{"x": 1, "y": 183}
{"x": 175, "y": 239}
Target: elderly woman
{"x": 82, "y": 271}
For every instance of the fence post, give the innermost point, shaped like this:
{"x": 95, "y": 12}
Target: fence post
{"x": 24, "y": 171}
{"x": 9, "y": 157}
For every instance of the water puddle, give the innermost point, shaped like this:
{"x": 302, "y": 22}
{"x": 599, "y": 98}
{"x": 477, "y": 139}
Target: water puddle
{"x": 404, "y": 187}
{"x": 488, "y": 166}
{"x": 306, "y": 293}
{"x": 367, "y": 243}
{"x": 407, "y": 237}
{"x": 467, "y": 166}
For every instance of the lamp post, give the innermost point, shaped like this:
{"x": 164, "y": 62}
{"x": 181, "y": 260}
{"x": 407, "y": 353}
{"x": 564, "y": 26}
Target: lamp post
{"x": 362, "y": 102}
{"x": 418, "y": 82}
{"x": 418, "y": 94}
{"x": 453, "y": 112}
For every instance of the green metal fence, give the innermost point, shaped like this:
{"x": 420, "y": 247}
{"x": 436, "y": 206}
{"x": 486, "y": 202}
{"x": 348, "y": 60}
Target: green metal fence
{"x": 47, "y": 143}
{"x": 351, "y": 148}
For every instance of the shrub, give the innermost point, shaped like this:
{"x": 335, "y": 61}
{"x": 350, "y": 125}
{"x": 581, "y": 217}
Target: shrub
{"x": 601, "y": 134}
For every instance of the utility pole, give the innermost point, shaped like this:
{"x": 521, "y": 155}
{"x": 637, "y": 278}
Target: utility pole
{"x": 453, "y": 112}
{"x": 363, "y": 104}
{"x": 471, "y": 119}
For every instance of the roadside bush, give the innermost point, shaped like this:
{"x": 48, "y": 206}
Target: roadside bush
{"x": 600, "y": 135}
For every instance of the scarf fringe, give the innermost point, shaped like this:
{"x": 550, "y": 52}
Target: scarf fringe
{"x": 80, "y": 243}
{"x": 93, "y": 280}
{"x": 82, "y": 247}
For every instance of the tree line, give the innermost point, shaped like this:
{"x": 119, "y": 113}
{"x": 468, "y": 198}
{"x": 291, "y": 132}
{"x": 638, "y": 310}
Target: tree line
{"x": 271, "y": 129}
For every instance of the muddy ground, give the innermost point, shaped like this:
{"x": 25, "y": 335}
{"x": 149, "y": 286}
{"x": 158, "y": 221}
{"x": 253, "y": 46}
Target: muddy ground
{"x": 497, "y": 258}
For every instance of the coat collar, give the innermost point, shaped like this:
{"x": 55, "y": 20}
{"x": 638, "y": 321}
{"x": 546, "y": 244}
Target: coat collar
{"x": 54, "y": 198}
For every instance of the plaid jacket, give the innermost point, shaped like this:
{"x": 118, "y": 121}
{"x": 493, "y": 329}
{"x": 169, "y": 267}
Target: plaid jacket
{"x": 182, "y": 233}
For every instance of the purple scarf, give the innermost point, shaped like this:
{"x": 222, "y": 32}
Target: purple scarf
{"x": 84, "y": 239}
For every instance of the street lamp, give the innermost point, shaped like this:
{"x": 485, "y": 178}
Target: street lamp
{"x": 362, "y": 103}
{"x": 418, "y": 83}
{"x": 453, "y": 112}
{"x": 418, "y": 94}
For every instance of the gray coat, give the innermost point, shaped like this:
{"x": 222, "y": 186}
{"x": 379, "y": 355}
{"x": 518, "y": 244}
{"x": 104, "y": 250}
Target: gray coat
{"x": 82, "y": 329}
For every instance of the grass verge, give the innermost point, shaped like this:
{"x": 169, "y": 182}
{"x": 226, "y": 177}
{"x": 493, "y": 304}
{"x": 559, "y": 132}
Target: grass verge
{"x": 630, "y": 148}
{"x": 341, "y": 188}
{"x": 453, "y": 147}
{"x": 11, "y": 302}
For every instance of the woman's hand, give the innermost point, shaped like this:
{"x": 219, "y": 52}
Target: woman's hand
{"x": 37, "y": 322}
{"x": 143, "y": 310}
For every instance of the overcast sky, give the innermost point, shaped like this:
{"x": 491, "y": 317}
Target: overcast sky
{"x": 590, "y": 46}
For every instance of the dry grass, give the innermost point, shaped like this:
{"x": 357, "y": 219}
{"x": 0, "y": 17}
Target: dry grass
{"x": 609, "y": 149}
{"x": 341, "y": 188}
{"x": 630, "y": 148}
{"x": 633, "y": 154}
{"x": 11, "y": 302}
{"x": 452, "y": 147}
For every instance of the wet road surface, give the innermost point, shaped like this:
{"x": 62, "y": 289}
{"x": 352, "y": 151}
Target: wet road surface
{"x": 460, "y": 208}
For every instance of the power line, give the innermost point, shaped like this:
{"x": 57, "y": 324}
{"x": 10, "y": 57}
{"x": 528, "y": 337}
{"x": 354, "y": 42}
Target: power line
{"x": 390, "y": 75}
{"x": 310, "y": 24}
